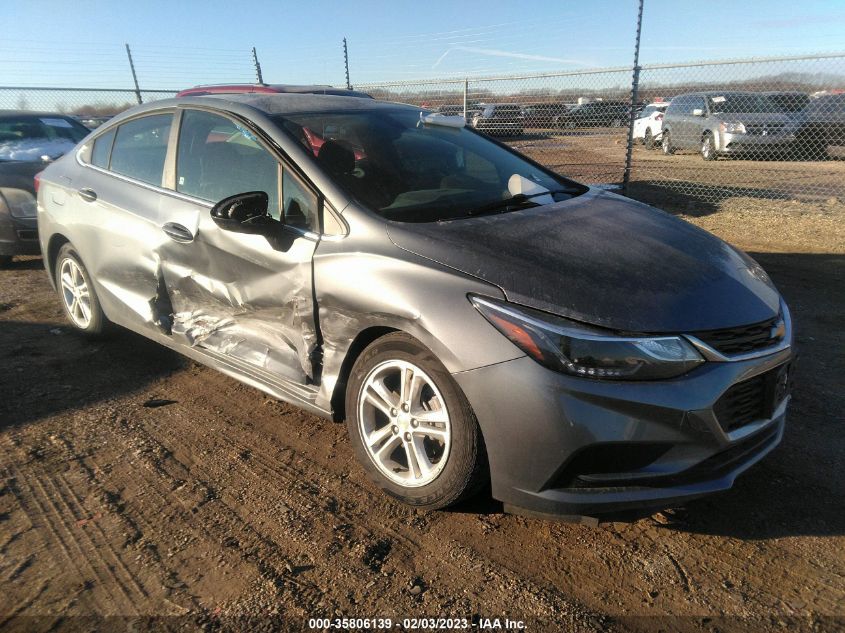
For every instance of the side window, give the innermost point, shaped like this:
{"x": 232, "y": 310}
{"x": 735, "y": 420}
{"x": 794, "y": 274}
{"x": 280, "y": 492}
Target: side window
{"x": 140, "y": 148}
{"x": 102, "y": 149}
{"x": 299, "y": 204}
{"x": 698, "y": 104}
{"x": 218, "y": 158}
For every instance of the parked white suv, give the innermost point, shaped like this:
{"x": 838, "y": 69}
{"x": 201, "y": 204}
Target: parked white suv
{"x": 649, "y": 123}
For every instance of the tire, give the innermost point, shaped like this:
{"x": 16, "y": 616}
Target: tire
{"x": 456, "y": 463}
{"x": 666, "y": 143}
{"x": 648, "y": 139}
{"x": 708, "y": 148}
{"x": 616, "y": 123}
{"x": 71, "y": 274}
{"x": 5, "y": 261}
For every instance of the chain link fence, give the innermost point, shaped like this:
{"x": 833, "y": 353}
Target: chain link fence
{"x": 769, "y": 128}
{"x": 92, "y": 106}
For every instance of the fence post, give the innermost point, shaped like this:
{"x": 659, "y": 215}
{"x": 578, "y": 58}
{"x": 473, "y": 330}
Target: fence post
{"x": 346, "y": 64}
{"x": 466, "y": 90}
{"x": 635, "y": 87}
{"x": 257, "y": 65}
{"x": 134, "y": 76}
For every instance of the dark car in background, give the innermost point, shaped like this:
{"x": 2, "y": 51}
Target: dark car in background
{"x": 28, "y": 142}
{"x": 596, "y": 114}
{"x": 471, "y": 314}
{"x": 819, "y": 126}
{"x": 458, "y": 110}
{"x": 789, "y": 103}
{"x": 544, "y": 115}
{"x": 498, "y": 119}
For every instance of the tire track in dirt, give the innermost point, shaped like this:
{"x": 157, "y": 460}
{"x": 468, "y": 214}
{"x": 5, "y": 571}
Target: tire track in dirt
{"x": 369, "y": 525}
{"x": 59, "y": 536}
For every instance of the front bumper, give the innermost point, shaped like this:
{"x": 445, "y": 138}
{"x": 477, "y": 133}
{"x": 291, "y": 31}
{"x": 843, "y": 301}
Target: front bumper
{"x": 755, "y": 143}
{"x": 18, "y": 236}
{"x": 559, "y": 444}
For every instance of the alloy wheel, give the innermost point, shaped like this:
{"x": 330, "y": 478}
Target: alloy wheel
{"x": 404, "y": 424}
{"x": 75, "y": 293}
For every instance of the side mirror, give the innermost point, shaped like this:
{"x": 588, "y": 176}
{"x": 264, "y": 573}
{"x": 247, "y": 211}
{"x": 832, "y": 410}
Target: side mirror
{"x": 243, "y": 213}
{"x": 698, "y": 112}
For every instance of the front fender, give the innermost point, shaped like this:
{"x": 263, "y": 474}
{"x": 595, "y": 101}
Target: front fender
{"x": 356, "y": 291}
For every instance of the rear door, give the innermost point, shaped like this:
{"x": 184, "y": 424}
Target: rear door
{"x": 245, "y": 299}
{"x": 116, "y": 208}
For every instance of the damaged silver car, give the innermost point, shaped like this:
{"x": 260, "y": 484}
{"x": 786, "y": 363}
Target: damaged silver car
{"x": 472, "y": 315}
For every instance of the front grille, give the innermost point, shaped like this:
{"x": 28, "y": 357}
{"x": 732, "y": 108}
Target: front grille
{"x": 742, "y": 404}
{"x": 768, "y": 128}
{"x": 743, "y": 339}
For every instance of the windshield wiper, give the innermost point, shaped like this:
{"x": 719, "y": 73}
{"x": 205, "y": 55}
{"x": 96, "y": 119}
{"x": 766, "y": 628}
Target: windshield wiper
{"x": 518, "y": 199}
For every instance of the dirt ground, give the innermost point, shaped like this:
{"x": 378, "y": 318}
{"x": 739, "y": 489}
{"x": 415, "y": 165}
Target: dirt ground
{"x": 142, "y": 486}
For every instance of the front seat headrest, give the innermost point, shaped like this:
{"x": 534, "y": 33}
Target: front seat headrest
{"x": 336, "y": 158}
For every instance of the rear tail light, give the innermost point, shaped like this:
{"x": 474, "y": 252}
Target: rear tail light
{"x": 37, "y": 181}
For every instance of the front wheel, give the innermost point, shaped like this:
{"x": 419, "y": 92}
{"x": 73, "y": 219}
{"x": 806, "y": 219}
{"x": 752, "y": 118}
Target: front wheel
{"x": 666, "y": 144}
{"x": 648, "y": 139}
{"x": 708, "y": 147}
{"x": 411, "y": 426}
{"x": 77, "y": 294}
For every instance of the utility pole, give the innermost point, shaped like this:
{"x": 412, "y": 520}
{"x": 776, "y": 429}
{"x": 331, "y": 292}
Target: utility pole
{"x": 257, "y": 66}
{"x": 134, "y": 76}
{"x": 635, "y": 87}
{"x": 346, "y": 64}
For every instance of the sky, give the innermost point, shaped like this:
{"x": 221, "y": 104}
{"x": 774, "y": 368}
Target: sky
{"x": 185, "y": 42}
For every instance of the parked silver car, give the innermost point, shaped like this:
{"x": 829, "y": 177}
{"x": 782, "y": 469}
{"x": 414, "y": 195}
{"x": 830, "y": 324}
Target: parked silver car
{"x": 723, "y": 123}
{"x": 469, "y": 313}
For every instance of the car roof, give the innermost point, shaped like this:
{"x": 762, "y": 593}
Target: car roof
{"x": 211, "y": 89}
{"x": 11, "y": 113}
{"x": 293, "y": 103}
{"x": 717, "y": 93}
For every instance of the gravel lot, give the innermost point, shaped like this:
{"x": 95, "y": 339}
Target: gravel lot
{"x": 139, "y": 484}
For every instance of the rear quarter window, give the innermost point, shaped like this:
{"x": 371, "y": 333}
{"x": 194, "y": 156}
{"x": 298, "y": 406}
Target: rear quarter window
{"x": 140, "y": 148}
{"x": 102, "y": 149}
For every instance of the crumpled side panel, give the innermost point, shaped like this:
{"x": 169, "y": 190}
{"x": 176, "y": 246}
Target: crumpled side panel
{"x": 239, "y": 296}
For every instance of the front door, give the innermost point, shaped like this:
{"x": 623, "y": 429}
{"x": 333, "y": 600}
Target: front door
{"x": 245, "y": 299}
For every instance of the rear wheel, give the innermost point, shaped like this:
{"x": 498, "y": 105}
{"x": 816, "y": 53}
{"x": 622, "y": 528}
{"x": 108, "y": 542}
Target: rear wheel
{"x": 666, "y": 143}
{"x": 648, "y": 139}
{"x": 77, "y": 294}
{"x": 411, "y": 426}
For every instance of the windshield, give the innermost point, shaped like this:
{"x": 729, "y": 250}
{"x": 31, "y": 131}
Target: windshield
{"x": 742, "y": 104}
{"x": 788, "y": 102}
{"x": 412, "y": 172}
{"x": 32, "y": 137}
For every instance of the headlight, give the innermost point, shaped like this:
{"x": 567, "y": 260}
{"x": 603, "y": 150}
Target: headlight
{"x": 733, "y": 128}
{"x": 21, "y": 203}
{"x": 579, "y": 350}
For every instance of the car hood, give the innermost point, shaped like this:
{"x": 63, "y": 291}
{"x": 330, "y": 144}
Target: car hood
{"x": 603, "y": 259}
{"x": 20, "y": 174}
{"x": 752, "y": 117}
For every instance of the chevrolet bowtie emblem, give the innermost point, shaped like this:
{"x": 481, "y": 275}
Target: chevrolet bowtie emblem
{"x": 778, "y": 330}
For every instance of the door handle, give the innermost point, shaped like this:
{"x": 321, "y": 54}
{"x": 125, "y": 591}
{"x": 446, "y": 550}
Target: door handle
{"x": 89, "y": 195}
{"x": 177, "y": 232}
